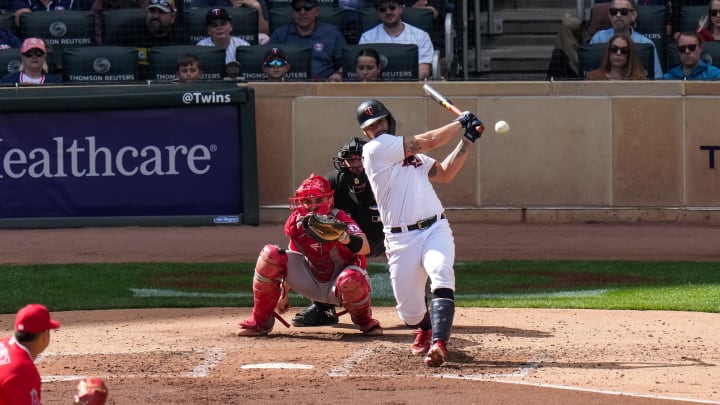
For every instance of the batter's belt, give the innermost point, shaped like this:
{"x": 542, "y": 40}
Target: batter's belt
{"x": 421, "y": 224}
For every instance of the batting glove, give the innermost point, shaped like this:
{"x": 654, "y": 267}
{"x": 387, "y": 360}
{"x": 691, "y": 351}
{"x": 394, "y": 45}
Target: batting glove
{"x": 465, "y": 117}
{"x": 474, "y": 130}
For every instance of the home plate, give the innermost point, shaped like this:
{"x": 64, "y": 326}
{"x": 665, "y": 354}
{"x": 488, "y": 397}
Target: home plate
{"x": 279, "y": 365}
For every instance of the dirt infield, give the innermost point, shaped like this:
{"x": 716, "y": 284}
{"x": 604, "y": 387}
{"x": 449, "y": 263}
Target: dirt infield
{"x": 497, "y": 356}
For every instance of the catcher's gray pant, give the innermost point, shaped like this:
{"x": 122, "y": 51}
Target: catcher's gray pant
{"x": 301, "y": 280}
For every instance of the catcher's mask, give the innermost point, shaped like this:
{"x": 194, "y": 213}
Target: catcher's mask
{"x": 91, "y": 391}
{"x": 372, "y": 110}
{"x": 313, "y": 195}
{"x": 349, "y": 163}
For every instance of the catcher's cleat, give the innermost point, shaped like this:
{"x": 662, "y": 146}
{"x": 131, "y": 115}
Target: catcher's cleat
{"x": 317, "y": 314}
{"x": 436, "y": 355}
{"x": 249, "y": 327}
{"x": 422, "y": 343}
{"x": 371, "y": 328}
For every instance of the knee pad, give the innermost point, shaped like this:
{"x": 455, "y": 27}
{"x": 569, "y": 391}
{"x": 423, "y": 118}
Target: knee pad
{"x": 353, "y": 286}
{"x": 271, "y": 265}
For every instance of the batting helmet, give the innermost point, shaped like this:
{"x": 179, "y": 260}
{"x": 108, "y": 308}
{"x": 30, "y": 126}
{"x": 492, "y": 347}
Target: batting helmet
{"x": 91, "y": 391}
{"x": 372, "y": 110}
{"x": 314, "y": 194}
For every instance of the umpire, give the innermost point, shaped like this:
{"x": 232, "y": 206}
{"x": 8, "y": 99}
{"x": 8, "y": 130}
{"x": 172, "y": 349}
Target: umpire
{"x": 354, "y": 196}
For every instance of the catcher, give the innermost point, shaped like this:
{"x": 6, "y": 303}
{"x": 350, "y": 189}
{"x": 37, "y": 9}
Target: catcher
{"x": 324, "y": 262}
{"x": 91, "y": 391}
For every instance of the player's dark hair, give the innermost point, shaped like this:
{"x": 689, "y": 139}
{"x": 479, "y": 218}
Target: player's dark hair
{"x": 24, "y": 337}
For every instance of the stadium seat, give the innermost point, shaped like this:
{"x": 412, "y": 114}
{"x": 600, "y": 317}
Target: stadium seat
{"x": 690, "y": 17}
{"x": 101, "y": 64}
{"x": 652, "y": 23}
{"x": 331, "y": 15}
{"x": 418, "y": 17}
{"x": 251, "y": 59}
{"x": 10, "y": 61}
{"x": 163, "y": 61}
{"x": 399, "y": 61}
{"x": 590, "y": 55}
{"x": 244, "y": 20}
{"x": 599, "y": 18}
{"x": 116, "y": 21}
{"x": 60, "y": 30}
{"x": 7, "y": 21}
{"x": 286, "y": 3}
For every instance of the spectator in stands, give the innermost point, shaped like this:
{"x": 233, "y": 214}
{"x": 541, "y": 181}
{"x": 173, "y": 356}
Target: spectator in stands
{"x": 326, "y": 41}
{"x": 20, "y": 7}
{"x": 623, "y": 14}
{"x": 99, "y": 5}
{"x": 709, "y": 25}
{"x": 158, "y": 29}
{"x": 620, "y": 61}
{"x": 691, "y": 66}
{"x": 259, "y": 5}
{"x": 9, "y": 40}
{"x": 189, "y": 68}
{"x": 393, "y": 30}
{"x": 564, "y": 61}
{"x": 351, "y": 14}
{"x": 276, "y": 65}
{"x": 34, "y": 65}
{"x": 219, "y": 27}
{"x": 368, "y": 66}
{"x": 233, "y": 71}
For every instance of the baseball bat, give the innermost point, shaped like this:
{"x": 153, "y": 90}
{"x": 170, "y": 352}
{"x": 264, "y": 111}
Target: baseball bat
{"x": 443, "y": 101}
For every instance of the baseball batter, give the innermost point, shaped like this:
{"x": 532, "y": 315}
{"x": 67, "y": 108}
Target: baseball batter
{"x": 20, "y": 382}
{"x": 418, "y": 240}
{"x": 326, "y": 271}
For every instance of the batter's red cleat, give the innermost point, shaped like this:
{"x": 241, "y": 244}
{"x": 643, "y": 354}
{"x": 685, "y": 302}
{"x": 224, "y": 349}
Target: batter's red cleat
{"x": 436, "y": 355}
{"x": 249, "y": 327}
{"x": 422, "y": 343}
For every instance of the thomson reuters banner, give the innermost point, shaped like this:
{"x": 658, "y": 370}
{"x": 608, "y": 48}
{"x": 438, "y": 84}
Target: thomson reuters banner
{"x": 165, "y": 161}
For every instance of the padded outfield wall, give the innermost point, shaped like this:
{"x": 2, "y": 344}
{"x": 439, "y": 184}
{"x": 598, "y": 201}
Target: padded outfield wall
{"x": 576, "y": 152}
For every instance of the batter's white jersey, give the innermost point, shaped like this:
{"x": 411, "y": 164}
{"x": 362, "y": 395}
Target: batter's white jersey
{"x": 402, "y": 190}
{"x": 410, "y": 35}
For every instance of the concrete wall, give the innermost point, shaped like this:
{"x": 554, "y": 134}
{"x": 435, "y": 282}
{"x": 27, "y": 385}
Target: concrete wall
{"x": 577, "y": 151}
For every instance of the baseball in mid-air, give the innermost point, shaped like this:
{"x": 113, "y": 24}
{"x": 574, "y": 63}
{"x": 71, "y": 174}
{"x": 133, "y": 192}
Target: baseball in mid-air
{"x": 502, "y": 127}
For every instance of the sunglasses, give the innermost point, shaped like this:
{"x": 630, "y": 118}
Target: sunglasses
{"x": 162, "y": 3}
{"x": 622, "y": 49}
{"x": 683, "y": 48}
{"x": 714, "y": 13}
{"x": 384, "y": 9}
{"x": 306, "y": 7}
{"x": 276, "y": 63}
{"x": 622, "y": 11}
{"x": 34, "y": 53}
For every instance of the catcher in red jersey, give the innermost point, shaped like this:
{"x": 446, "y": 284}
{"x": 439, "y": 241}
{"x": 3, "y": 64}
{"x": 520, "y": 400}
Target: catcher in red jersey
{"x": 324, "y": 261}
{"x": 20, "y": 382}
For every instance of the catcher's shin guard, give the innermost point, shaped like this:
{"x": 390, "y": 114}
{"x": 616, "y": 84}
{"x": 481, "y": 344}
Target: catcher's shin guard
{"x": 354, "y": 289}
{"x": 270, "y": 269}
{"x": 442, "y": 312}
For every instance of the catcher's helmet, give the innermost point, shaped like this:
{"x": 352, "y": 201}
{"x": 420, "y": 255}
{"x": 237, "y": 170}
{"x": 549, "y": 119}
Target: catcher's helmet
{"x": 372, "y": 110}
{"x": 91, "y": 391}
{"x": 314, "y": 194}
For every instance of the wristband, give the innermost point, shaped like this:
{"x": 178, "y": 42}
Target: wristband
{"x": 355, "y": 243}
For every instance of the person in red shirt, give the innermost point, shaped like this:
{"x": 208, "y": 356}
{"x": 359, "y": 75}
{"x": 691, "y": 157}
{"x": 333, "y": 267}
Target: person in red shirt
{"x": 19, "y": 378}
{"x": 331, "y": 272}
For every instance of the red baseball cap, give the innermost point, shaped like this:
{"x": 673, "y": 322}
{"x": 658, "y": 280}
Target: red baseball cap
{"x": 33, "y": 43}
{"x": 34, "y": 318}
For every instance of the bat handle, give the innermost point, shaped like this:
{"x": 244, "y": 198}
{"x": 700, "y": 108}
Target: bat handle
{"x": 281, "y": 319}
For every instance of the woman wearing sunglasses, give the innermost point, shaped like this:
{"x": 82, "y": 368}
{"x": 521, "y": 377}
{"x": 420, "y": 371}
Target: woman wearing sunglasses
{"x": 709, "y": 25}
{"x": 620, "y": 61}
{"x": 33, "y": 69}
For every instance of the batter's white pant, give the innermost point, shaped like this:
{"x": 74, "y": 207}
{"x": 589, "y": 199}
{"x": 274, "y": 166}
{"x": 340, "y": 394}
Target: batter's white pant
{"x": 414, "y": 256}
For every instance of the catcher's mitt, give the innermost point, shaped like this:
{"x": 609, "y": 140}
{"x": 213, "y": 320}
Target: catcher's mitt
{"x": 324, "y": 228}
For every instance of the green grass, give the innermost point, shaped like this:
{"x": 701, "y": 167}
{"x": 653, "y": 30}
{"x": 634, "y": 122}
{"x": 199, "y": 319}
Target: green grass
{"x": 680, "y": 286}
